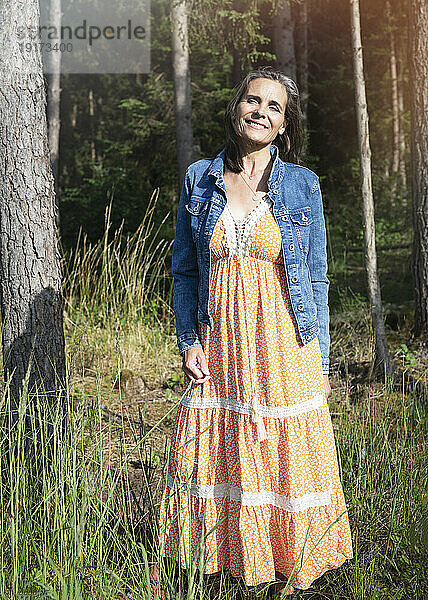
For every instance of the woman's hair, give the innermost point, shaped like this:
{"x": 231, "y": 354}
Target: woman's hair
{"x": 290, "y": 143}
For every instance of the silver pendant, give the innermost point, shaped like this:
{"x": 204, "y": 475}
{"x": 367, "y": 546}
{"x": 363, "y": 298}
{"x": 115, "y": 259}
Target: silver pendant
{"x": 255, "y": 198}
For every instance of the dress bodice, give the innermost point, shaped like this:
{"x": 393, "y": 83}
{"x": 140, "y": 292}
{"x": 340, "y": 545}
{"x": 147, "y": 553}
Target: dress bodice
{"x": 247, "y": 237}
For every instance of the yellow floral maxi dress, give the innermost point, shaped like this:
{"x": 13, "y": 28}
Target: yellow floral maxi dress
{"x": 253, "y": 482}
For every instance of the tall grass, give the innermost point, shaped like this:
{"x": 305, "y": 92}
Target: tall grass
{"x": 75, "y": 529}
{"x": 120, "y": 276}
{"x": 82, "y": 525}
{"x": 65, "y": 527}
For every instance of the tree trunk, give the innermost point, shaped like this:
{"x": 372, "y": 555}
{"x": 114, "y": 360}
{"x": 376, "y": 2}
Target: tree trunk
{"x": 382, "y": 360}
{"x": 30, "y": 273}
{"x": 236, "y": 67}
{"x": 74, "y": 116}
{"x": 301, "y": 38}
{"x": 182, "y": 98}
{"x": 54, "y": 94}
{"x": 402, "y": 60}
{"x": 283, "y": 39}
{"x": 394, "y": 97}
{"x": 402, "y": 144}
{"x": 418, "y": 53}
{"x": 92, "y": 127}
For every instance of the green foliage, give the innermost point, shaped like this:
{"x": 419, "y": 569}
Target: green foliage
{"x": 174, "y": 381}
{"x": 409, "y": 359}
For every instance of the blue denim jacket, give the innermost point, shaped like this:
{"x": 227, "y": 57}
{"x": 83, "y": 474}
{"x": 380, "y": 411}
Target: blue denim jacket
{"x": 297, "y": 208}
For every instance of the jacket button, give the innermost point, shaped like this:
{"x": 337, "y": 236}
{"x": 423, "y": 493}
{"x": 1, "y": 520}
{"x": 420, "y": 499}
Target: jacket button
{"x": 284, "y": 218}
{"x": 291, "y": 247}
{"x": 294, "y": 280}
{"x": 300, "y": 307}
{"x": 275, "y": 192}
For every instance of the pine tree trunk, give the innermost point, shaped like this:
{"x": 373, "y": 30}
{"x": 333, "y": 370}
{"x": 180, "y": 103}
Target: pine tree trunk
{"x": 182, "y": 98}
{"x": 30, "y": 272}
{"x": 283, "y": 40}
{"x": 382, "y": 360}
{"x": 74, "y": 116}
{"x": 394, "y": 97}
{"x": 301, "y": 20}
{"x": 418, "y": 53}
{"x": 92, "y": 127}
{"x": 54, "y": 94}
{"x": 236, "y": 67}
{"x": 402, "y": 145}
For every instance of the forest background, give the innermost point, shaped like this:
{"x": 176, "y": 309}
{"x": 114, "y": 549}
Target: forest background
{"x": 84, "y": 527}
{"x": 118, "y": 136}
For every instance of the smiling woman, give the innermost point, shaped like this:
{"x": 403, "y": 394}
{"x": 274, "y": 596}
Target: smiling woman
{"x": 263, "y": 112}
{"x": 253, "y": 483}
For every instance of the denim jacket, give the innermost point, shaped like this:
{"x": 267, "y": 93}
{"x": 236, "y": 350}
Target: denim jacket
{"x": 298, "y": 211}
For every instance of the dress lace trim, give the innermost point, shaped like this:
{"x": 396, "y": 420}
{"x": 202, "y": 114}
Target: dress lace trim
{"x": 261, "y": 498}
{"x": 237, "y": 233}
{"x": 273, "y": 412}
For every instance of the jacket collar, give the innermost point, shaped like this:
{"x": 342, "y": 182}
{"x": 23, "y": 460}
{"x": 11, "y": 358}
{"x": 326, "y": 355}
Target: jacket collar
{"x": 276, "y": 175}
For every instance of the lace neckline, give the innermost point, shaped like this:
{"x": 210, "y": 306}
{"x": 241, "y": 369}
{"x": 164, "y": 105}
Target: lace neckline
{"x": 237, "y": 233}
{"x": 248, "y": 217}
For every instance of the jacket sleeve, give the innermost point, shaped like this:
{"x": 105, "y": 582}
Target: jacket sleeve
{"x": 185, "y": 274}
{"x": 317, "y": 263}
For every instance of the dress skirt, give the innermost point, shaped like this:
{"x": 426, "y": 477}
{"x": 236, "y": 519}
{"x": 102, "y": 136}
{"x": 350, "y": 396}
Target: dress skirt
{"x": 253, "y": 483}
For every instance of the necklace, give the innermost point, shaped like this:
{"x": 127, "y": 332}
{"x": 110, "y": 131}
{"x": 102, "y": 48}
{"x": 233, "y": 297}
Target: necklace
{"x": 252, "y": 176}
{"x": 254, "y": 192}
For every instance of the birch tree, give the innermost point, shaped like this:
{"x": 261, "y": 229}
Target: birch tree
{"x": 418, "y": 52}
{"x": 182, "y": 98}
{"x": 382, "y": 359}
{"x": 30, "y": 274}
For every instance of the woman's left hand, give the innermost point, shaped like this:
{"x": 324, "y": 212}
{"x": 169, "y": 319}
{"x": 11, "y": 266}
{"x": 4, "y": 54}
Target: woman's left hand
{"x": 327, "y": 388}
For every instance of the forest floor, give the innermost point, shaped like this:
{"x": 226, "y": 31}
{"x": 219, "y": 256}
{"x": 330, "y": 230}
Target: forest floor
{"x": 140, "y": 408}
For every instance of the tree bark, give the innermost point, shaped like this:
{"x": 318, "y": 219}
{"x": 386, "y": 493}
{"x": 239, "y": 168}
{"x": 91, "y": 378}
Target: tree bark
{"x": 283, "y": 39}
{"x": 382, "y": 359}
{"x": 236, "y": 66}
{"x": 91, "y": 103}
{"x": 30, "y": 273}
{"x": 54, "y": 94}
{"x": 394, "y": 92}
{"x": 301, "y": 45}
{"x": 402, "y": 144}
{"x": 182, "y": 98}
{"x": 74, "y": 116}
{"x": 418, "y": 53}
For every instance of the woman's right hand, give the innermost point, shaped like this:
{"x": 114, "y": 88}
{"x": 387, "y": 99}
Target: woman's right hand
{"x": 195, "y": 364}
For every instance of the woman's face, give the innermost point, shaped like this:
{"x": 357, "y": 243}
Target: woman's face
{"x": 260, "y": 113}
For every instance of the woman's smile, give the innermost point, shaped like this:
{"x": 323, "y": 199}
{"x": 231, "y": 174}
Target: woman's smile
{"x": 256, "y": 124}
{"x": 262, "y": 108}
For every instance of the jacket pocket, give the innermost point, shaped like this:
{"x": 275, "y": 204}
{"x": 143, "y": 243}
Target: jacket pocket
{"x": 302, "y": 219}
{"x": 197, "y": 208}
